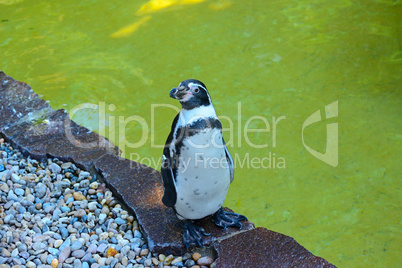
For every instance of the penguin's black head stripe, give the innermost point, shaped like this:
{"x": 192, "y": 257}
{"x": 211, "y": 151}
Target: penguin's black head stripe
{"x": 191, "y": 93}
{"x": 185, "y": 83}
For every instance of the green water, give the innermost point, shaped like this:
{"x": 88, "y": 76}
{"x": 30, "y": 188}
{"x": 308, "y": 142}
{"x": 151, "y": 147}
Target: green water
{"x": 268, "y": 65}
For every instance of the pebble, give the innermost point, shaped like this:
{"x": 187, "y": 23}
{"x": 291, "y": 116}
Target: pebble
{"x": 54, "y": 215}
{"x": 5, "y": 253}
{"x": 64, "y": 254}
{"x": 148, "y": 262}
{"x": 189, "y": 263}
{"x": 168, "y": 260}
{"x": 77, "y": 264}
{"x": 178, "y": 259}
{"x": 64, "y": 232}
{"x": 19, "y": 192}
{"x": 205, "y": 261}
{"x": 162, "y": 257}
{"x": 92, "y": 206}
{"x": 94, "y": 185}
{"x": 58, "y": 243}
{"x": 144, "y": 252}
{"x": 30, "y": 264}
{"x": 101, "y": 248}
{"x": 120, "y": 221}
{"x": 53, "y": 251}
{"x": 40, "y": 190}
{"x": 78, "y": 253}
{"x": 4, "y": 187}
{"x": 92, "y": 249}
{"x": 66, "y": 165}
{"x": 54, "y": 263}
{"x": 111, "y": 252}
{"x": 102, "y": 218}
{"x": 78, "y": 196}
{"x": 12, "y": 196}
{"x": 76, "y": 245}
{"x": 124, "y": 261}
{"x": 196, "y": 256}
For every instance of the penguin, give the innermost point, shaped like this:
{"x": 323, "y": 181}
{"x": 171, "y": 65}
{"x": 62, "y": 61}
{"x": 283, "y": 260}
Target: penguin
{"x": 197, "y": 167}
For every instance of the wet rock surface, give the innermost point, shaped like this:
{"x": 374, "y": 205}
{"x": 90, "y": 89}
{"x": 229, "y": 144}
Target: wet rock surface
{"x": 264, "y": 248}
{"x": 41, "y": 133}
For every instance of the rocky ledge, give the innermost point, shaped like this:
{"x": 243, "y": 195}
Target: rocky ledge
{"x": 30, "y": 125}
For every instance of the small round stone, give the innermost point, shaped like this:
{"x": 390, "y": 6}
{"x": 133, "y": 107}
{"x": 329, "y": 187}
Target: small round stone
{"x": 124, "y": 261}
{"x": 78, "y": 254}
{"x": 178, "y": 259}
{"x": 58, "y": 243}
{"x": 5, "y": 253}
{"x": 148, "y": 262}
{"x": 76, "y": 245}
{"x": 94, "y": 185}
{"x": 54, "y": 263}
{"x": 189, "y": 263}
{"x": 155, "y": 261}
{"x": 196, "y": 256}
{"x": 144, "y": 252}
{"x": 30, "y": 264}
{"x": 205, "y": 261}
{"x": 78, "y": 196}
{"x": 64, "y": 254}
{"x": 168, "y": 260}
{"x": 161, "y": 257}
{"x": 111, "y": 252}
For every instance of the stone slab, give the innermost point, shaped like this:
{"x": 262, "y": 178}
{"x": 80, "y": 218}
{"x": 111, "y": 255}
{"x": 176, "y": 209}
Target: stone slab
{"x": 140, "y": 188}
{"x": 55, "y": 135}
{"x": 28, "y": 123}
{"x": 17, "y": 100}
{"x": 264, "y": 248}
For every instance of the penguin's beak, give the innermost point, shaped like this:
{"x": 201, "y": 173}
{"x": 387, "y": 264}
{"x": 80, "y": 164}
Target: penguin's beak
{"x": 178, "y": 93}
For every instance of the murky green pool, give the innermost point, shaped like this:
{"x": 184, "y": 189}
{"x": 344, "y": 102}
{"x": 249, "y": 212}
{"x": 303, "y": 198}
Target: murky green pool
{"x": 269, "y": 66}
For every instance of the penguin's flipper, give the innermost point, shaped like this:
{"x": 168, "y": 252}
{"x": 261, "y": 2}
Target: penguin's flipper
{"x": 226, "y": 219}
{"x": 192, "y": 234}
{"x": 169, "y": 196}
{"x": 168, "y": 170}
{"x": 230, "y": 161}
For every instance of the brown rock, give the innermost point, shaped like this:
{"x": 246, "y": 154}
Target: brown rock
{"x": 196, "y": 256}
{"x": 263, "y": 248}
{"x": 78, "y": 196}
{"x": 111, "y": 252}
{"x": 140, "y": 188}
{"x": 54, "y": 263}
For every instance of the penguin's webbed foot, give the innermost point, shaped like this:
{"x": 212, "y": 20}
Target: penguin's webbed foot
{"x": 226, "y": 219}
{"x": 192, "y": 234}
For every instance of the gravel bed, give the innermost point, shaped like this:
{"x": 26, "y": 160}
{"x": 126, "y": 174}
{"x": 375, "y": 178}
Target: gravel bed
{"x": 52, "y": 214}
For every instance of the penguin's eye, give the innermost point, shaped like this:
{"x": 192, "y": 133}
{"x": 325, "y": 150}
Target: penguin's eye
{"x": 196, "y": 90}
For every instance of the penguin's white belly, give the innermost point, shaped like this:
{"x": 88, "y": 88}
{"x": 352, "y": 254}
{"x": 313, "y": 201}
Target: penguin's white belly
{"x": 203, "y": 176}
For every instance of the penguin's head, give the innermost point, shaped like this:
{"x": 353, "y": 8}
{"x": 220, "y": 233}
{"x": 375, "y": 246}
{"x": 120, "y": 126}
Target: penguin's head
{"x": 191, "y": 93}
